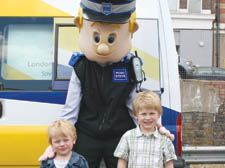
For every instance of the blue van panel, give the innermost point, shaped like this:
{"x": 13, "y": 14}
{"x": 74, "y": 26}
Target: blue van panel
{"x": 169, "y": 121}
{"x": 55, "y": 97}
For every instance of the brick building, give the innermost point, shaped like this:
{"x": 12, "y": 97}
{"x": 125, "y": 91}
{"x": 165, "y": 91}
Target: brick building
{"x": 199, "y": 29}
{"x": 220, "y": 6}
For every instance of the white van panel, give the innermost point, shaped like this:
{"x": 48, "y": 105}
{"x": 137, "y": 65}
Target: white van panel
{"x": 17, "y": 112}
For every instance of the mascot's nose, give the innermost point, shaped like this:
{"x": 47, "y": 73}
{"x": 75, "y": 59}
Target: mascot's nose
{"x": 103, "y": 49}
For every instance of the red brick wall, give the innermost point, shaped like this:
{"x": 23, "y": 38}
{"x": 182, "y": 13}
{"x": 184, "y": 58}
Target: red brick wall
{"x": 204, "y": 128}
{"x": 222, "y": 10}
{"x": 220, "y": 85}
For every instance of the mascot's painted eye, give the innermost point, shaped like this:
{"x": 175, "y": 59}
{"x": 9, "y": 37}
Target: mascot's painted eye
{"x": 96, "y": 37}
{"x": 111, "y": 38}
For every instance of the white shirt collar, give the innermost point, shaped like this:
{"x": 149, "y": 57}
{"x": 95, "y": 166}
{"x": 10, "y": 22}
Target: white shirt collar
{"x": 139, "y": 133}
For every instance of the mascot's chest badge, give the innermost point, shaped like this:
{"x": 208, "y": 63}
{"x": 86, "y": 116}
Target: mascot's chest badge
{"x": 106, "y": 8}
{"x": 120, "y": 75}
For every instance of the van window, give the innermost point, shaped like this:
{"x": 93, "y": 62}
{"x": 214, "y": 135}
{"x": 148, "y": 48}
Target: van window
{"x": 66, "y": 38}
{"x": 26, "y": 53}
{"x": 65, "y": 43}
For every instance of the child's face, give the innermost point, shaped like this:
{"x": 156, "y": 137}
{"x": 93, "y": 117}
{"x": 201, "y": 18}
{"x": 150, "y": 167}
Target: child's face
{"x": 63, "y": 145}
{"x": 147, "y": 119}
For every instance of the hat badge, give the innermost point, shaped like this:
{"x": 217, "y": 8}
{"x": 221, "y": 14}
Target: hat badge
{"x": 106, "y": 8}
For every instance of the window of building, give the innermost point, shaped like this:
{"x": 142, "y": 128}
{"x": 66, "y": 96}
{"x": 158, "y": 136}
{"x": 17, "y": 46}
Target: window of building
{"x": 207, "y": 4}
{"x": 183, "y": 4}
{"x": 191, "y": 6}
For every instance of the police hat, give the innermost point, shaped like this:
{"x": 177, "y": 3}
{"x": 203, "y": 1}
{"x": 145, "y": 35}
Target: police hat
{"x": 109, "y": 11}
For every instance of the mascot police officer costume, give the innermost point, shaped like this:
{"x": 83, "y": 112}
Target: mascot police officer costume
{"x": 103, "y": 83}
{"x": 106, "y": 78}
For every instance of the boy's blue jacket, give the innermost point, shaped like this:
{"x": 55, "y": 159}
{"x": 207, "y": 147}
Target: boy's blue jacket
{"x": 76, "y": 161}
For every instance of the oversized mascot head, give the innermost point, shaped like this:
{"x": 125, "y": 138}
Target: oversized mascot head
{"x": 106, "y": 29}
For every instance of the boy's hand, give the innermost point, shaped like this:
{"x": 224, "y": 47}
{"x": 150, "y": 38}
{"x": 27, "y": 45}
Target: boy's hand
{"x": 49, "y": 153}
{"x": 164, "y": 131}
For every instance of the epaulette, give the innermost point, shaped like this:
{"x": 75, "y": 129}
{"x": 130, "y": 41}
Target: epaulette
{"x": 74, "y": 58}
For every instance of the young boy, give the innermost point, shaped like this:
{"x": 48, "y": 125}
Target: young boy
{"x": 144, "y": 146}
{"x": 62, "y": 137}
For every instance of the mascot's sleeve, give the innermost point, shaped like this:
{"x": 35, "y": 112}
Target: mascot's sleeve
{"x": 71, "y": 108}
{"x": 129, "y": 104}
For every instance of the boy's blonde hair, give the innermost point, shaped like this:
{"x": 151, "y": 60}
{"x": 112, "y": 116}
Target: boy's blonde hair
{"x": 147, "y": 100}
{"x": 61, "y": 127}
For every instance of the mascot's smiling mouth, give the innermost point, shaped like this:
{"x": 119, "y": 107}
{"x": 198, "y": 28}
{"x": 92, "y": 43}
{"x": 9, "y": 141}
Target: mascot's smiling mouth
{"x": 103, "y": 55}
